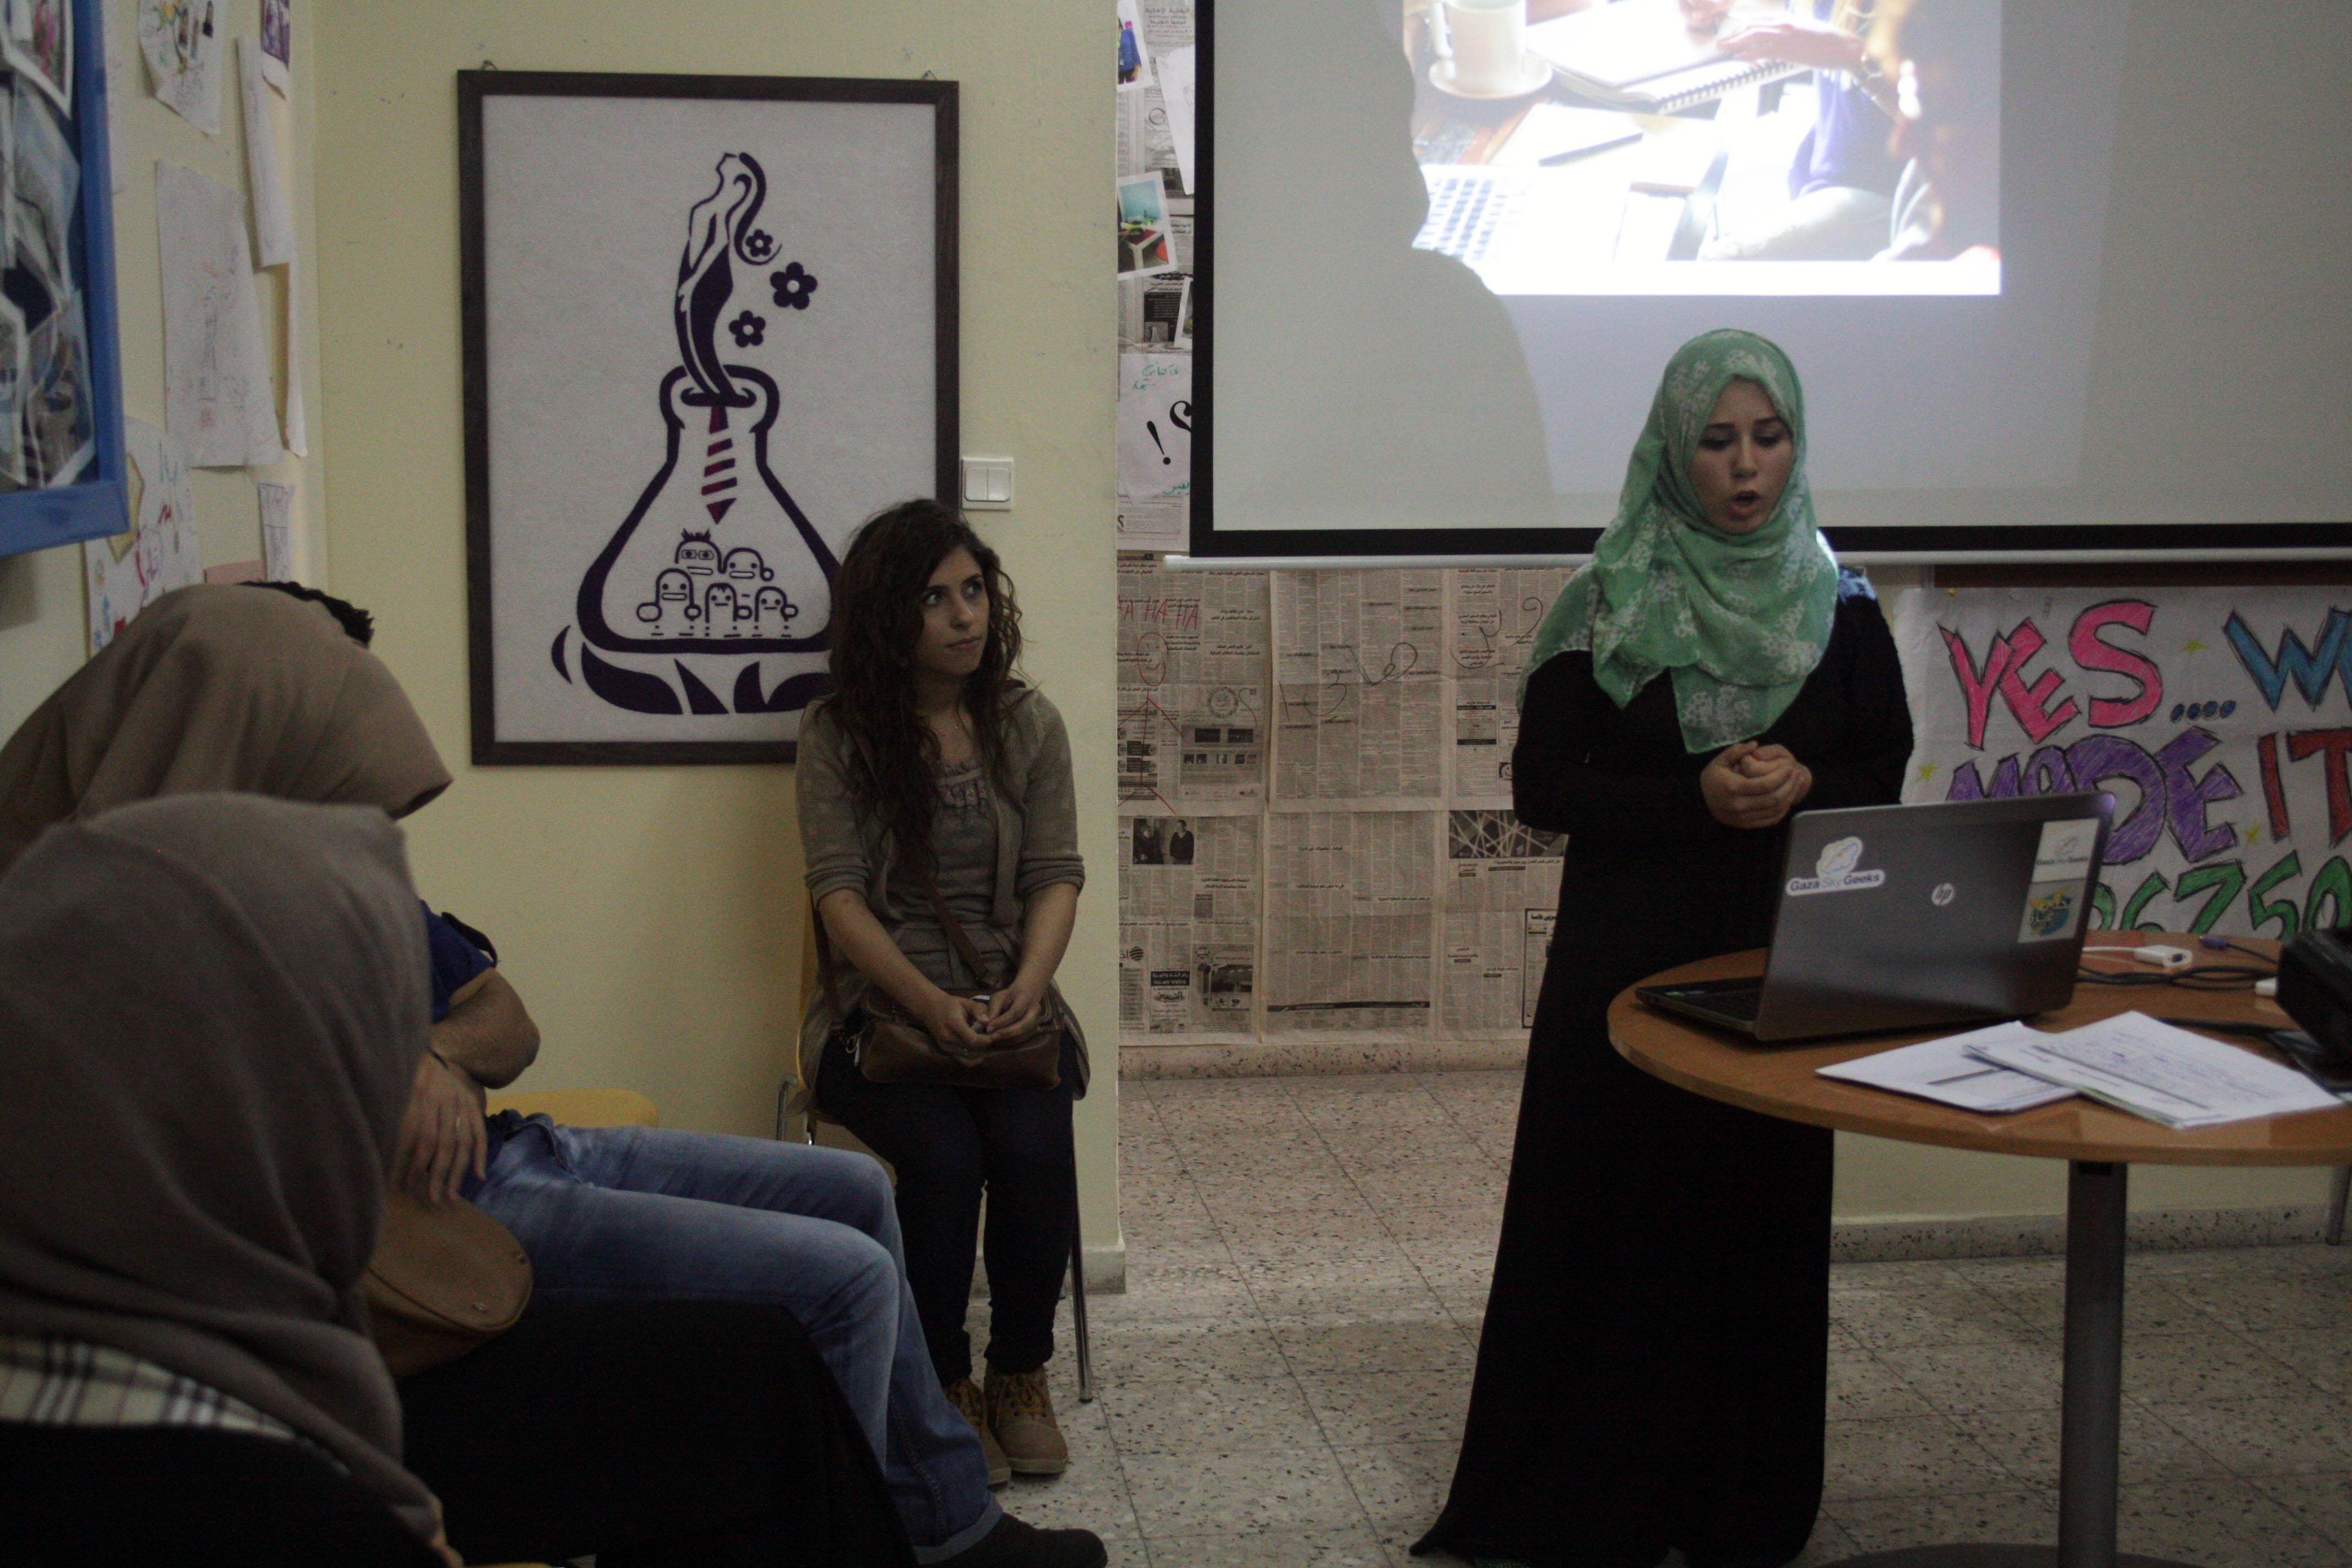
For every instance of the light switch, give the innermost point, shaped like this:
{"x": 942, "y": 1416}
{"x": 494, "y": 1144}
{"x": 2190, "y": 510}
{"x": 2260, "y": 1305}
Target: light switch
{"x": 988, "y": 483}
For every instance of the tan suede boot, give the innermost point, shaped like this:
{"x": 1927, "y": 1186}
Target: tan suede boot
{"x": 1021, "y": 1414}
{"x": 965, "y": 1395}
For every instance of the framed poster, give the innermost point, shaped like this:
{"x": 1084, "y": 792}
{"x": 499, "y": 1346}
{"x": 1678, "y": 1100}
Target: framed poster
{"x": 61, "y": 456}
{"x": 711, "y": 326}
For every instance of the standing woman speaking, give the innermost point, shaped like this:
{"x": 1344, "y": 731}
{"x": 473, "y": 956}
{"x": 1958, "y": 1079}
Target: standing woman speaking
{"x": 940, "y": 825}
{"x": 1651, "y": 1370}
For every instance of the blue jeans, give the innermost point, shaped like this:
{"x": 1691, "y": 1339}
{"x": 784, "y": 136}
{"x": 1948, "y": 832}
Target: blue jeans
{"x": 610, "y": 1213}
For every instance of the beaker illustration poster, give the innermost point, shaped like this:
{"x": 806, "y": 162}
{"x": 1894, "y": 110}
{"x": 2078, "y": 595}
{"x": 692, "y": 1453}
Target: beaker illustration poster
{"x": 709, "y": 333}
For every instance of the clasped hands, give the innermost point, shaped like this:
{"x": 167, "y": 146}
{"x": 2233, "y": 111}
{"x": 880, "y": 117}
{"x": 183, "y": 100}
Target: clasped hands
{"x": 1749, "y": 785}
{"x": 1800, "y": 40}
{"x": 441, "y": 1133}
{"x": 1007, "y": 1014}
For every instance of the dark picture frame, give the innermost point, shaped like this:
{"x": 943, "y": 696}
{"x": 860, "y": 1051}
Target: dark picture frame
{"x": 83, "y": 375}
{"x": 710, "y": 325}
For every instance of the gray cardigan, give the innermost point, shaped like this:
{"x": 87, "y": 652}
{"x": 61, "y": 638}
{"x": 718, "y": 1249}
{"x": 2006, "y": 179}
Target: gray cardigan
{"x": 848, "y": 846}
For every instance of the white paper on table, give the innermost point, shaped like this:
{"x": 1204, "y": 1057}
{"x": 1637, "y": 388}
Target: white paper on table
{"x": 273, "y": 224}
{"x": 2166, "y": 1073}
{"x": 128, "y": 572}
{"x": 218, "y": 399}
{"x": 297, "y": 430}
{"x": 1948, "y": 1071}
{"x": 277, "y": 531}
{"x": 1155, "y": 426}
{"x": 181, "y": 41}
{"x": 1178, "y": 69}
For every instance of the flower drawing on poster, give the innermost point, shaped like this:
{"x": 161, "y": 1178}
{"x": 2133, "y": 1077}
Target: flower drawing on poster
{"x": 278, "y": 43}
{"x": 716, "y": 557}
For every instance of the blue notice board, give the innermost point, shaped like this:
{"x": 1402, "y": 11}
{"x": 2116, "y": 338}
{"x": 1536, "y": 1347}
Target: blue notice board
{"x": 61, "y": 456}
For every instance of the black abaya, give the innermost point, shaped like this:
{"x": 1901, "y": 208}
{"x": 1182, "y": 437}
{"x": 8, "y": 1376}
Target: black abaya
{"x": 1651, "y": 1370}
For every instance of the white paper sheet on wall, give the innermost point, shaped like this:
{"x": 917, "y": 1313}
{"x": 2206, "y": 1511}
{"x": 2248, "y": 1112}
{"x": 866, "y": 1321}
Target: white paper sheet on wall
{"x": 217, "y": 395}
{"x": 273, "y": 221}
{"x": 128, "y": 572}
{"x": 277, "y": 531}
{"x": 277, "y": 45}
{"x": 181, "y": 40}
{"x": 297, "y": 430}
{"x": 1155, "y": 426}
{"x": 1178, "y": 68}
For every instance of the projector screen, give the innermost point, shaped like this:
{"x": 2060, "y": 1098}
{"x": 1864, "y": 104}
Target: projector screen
{"x": 2063, "y": 277}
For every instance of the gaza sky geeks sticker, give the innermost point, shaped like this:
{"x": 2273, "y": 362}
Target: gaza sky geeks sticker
{"x": 1834, "y": 871}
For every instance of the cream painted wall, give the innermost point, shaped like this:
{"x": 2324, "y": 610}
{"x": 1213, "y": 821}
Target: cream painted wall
{"x": 651, "y": 917}
{"x": 43, "y": 632}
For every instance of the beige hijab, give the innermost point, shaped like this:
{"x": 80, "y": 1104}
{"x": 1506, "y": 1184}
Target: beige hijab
{"x": 210, "y": 1013}
{"x": 219, "y": 687}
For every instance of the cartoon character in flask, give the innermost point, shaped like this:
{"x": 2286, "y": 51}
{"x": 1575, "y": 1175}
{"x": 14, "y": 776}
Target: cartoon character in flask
{"x": 773, "y": 613}
{"x": 719, "y": 610}
{"x": 672, "y": 606}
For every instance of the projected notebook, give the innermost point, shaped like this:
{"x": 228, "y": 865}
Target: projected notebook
{"x": 1906, "y": 917}
{"x": 1641, "y": 54}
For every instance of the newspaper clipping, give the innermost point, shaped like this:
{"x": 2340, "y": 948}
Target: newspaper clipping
{"x": 1188, "y": 900}
{"x": 1361, "y": 688}
{"x": 1495, "y": 613}
{"x": 1347, "y": 912}
{"x": 1501, "y": 897}
{"x": 1191, "y": 687}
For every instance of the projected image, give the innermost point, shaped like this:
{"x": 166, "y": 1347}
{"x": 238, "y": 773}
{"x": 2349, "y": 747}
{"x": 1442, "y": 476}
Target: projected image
{"x": 1711, "y": 147}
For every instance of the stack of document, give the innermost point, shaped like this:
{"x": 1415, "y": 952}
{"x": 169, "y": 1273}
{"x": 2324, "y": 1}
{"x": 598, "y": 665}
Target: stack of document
{"x": 2169, "y": 1075}
{"x": 2129, "y": 1061}
{"x": 1949, "y": 1071}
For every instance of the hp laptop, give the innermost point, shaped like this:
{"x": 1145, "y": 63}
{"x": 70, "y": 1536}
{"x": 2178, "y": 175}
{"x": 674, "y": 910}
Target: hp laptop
{"x": 1908, "y": 917}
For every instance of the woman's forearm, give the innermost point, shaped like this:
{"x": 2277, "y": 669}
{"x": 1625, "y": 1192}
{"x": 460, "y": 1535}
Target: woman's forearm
{"x": 858, "y": 937}
{"x": 1045, "y": 931}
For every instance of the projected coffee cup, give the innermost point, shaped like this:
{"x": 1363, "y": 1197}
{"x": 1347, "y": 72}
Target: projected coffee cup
{"x": 1485, "y": 46}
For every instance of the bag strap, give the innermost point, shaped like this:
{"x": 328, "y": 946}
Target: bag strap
{"x": 949, "y": 925}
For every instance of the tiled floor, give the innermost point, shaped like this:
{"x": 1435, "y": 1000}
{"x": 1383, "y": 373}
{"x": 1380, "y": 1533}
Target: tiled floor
{"x": 1283, "y": 1382}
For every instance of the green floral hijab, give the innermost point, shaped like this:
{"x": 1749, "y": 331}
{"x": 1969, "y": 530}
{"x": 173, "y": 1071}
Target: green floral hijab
{"x": 1740, "y": 619}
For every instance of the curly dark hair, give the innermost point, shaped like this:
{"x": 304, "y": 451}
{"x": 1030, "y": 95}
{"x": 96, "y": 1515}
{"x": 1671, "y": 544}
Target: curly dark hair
{"x": 877, "y": 620}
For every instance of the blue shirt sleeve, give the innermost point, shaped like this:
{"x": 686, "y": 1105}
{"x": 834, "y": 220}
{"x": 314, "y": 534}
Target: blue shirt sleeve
{"x": 454, "y": 957}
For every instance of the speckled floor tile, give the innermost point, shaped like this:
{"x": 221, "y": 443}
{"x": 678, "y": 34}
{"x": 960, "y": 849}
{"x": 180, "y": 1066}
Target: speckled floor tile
{"x": 2261, "y": 1301}
{"x": 1926, "y": 1315}
{"x": 2321, "y": 1505}
{"x": 1425, "y": 1345}
{"x": 1164, "y": 1350}
{"x": 1864, "y": 1388}
{"x": 2220, "y": 1523}
{"x": 2323, "y": 1355}
{"x": 1449, "y": 1222}
{"x": 2162, "y": 1370}
{"x": 1344, "y": 1546}
{"x": 1308, "y": 1261}
{"x": 1905, "y": 1455}
{"x": 2150, "y": 1308}
{"x": 1400, "y": 1484}
{"x": 2016, "y": 1514}
{"x": 1381, "y": 1294}
{"x": 1294, "y": 1489}
{"x": 1403, "y": 1404}
{"x": 1958, "y": 1378}
{"x": 2310, "y": 1434}
{"x": 1217, "y": 1410}
{"x": 2026, "y": 1443}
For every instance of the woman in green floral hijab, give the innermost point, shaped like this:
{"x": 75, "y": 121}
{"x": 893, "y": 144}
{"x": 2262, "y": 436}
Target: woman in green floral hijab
{"x": 1653, "y": 1362}
{"x": 1739, "y": 618}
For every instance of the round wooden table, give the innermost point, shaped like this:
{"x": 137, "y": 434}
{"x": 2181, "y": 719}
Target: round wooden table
{"x": 2099, "y": 1144}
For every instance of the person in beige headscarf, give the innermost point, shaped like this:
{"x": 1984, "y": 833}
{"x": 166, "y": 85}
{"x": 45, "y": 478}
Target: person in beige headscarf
{"x": 208, "y": 1020}
{"x": 218, "y": 686}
